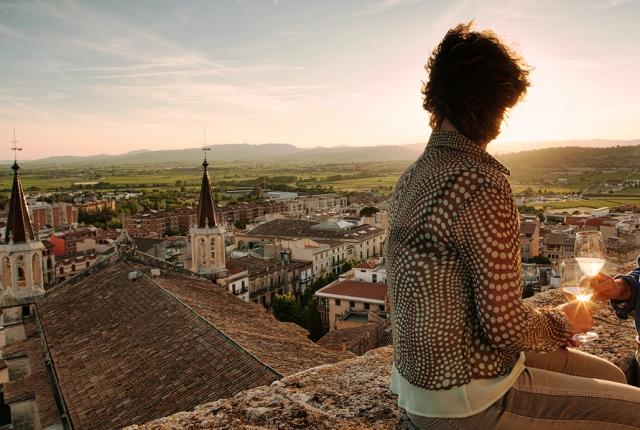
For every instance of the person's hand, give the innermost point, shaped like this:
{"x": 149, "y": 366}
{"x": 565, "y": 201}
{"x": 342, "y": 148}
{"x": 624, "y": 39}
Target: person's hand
{"x": 579, "y": 314}
{"x": 606, "y": 288}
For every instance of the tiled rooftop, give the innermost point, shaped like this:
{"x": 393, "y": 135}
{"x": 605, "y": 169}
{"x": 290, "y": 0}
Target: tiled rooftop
{"x": 126, "y": 352}
{"x": 36, "y": 384}
{"x": 368, "y": 291}
{"x": 528, "y": 228}
{"x": 303, "y": 228}
{"x": 257, "y": 266}
{"x": 345, "y": 338}
{"x": 283, "y": 346}
{"x": 554, "y": 238}
{"x": 369, "y": 263}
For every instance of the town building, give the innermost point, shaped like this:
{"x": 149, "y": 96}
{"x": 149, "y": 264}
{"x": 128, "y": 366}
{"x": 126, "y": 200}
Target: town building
{"x": 325, "y": 256}
{"x": 559, "y": 245}
{"x": 529, "y": 237}
{"x": 74, "y": 241}
{"x": 370, "y": 270}
{"x": 175, "y": 249}
{"x": 152, "y": 224}
{"x": 70, "y": 264}
{"x": 350, "y": 302}
{"x": 244, "y": 213}
{"x": 98, "y": 205}
{"x": 362, "y": 241}
{"x": 52, "y": 215}
{"x": 258, "y": 280}
{"x": 309, "y": 204}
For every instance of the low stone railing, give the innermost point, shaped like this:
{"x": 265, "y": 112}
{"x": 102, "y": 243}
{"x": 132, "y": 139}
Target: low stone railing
{"x": 354, "y": 393}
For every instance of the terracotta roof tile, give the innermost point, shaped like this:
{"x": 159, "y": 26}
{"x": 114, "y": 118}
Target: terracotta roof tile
{"x": 303, "y": 228}
{"x": 356, "y": 289}
{"x": 127, "y": 352}
{"x": 283, "y": 346}
{"x": 36, "y": 385}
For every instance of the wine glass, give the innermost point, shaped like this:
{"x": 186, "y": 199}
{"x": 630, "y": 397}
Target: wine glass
{"x": 575, "y": 284}
{"x": 590, "y": 251}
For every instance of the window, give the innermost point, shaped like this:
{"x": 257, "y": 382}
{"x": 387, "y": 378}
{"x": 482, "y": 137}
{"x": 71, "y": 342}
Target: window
{"x": 352, "y": 304}
{"x": 337, "y": 302}
{"x": 6, "y": 273}
{"x": 22, "y": 280}
{"x": 366, "y": 306}
{"x": 374, "y": 278}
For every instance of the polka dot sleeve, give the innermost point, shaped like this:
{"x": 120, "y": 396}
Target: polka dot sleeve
{"x": 486, "y": 234}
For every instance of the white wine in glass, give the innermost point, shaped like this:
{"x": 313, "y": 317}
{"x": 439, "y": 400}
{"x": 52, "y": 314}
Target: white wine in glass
{"x": 574, "y": 283}
{"x": 590, "y": 252}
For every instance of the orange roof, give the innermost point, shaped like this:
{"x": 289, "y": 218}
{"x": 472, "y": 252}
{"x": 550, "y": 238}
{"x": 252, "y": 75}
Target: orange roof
{"x": 355, "y": 289}
{"x": 370, "y": 263}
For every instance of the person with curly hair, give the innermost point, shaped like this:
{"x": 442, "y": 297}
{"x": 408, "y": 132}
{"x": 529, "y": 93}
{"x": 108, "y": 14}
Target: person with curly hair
{"x": 468, "y": 352}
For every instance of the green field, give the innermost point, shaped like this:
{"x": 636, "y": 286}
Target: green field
{"x": 340, "y": 176}
{"x": 594, "y": 203}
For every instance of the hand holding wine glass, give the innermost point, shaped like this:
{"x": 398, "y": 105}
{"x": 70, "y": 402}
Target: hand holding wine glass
{"x": 577, "y": 287}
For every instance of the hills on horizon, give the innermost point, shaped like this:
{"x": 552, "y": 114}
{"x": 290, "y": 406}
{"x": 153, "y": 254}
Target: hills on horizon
{"x": 282, "y": 152}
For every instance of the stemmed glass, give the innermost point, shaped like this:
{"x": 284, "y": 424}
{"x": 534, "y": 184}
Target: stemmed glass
{"x": 574, "y": 283}
{"x": 590, "y": 252}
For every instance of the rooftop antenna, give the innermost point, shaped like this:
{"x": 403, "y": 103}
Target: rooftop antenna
{"x": 15, "y": 147}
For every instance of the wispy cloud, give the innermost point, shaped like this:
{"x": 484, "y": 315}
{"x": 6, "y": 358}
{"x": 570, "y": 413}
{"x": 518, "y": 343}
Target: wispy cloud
{"x": 378, "y": 6}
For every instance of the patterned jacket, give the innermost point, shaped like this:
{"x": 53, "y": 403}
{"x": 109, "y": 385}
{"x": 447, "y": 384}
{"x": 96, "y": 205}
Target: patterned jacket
{"x": 454, "y": 271}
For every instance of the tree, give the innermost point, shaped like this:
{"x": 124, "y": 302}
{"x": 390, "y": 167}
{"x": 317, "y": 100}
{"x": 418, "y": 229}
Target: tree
{"x": 312, "y": 320}
{"x": 539, "y": 259}
{"x": 369, "y": 210}
{"x": 346, "y": 266}
{"x": 286, "y": 308}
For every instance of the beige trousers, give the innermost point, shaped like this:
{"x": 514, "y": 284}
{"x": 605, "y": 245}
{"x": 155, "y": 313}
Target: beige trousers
{"x": 563, "y": 390}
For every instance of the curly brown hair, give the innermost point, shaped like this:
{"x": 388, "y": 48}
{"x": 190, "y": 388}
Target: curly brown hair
{"x": 474, "y": 78}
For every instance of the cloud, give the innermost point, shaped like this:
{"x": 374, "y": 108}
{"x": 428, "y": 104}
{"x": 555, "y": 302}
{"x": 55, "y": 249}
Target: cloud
{"x": 9, "y": 32}
{"x": 378, "y": 6}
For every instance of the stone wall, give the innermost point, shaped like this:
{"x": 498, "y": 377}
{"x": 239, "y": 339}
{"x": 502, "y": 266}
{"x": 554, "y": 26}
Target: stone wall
{"x": 354, "y": 394}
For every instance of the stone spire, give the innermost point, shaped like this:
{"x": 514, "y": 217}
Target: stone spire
{"x": 206, "y": 207}
{"x": 19, "y": 227}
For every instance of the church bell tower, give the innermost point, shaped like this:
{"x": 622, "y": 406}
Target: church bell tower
{"x": 207, "y": 236}
{"x": 21, "y": 252}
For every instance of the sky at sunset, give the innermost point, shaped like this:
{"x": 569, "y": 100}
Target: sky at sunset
{"x": 91, "y": 77}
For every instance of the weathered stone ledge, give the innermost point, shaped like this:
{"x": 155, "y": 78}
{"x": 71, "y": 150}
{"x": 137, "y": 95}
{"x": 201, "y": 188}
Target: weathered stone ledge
{"x": 354, "y": 394}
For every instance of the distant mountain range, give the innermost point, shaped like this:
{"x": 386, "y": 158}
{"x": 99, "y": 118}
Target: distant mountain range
{"x": 271, "y": 152}
{"x": 279, "y": 152}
